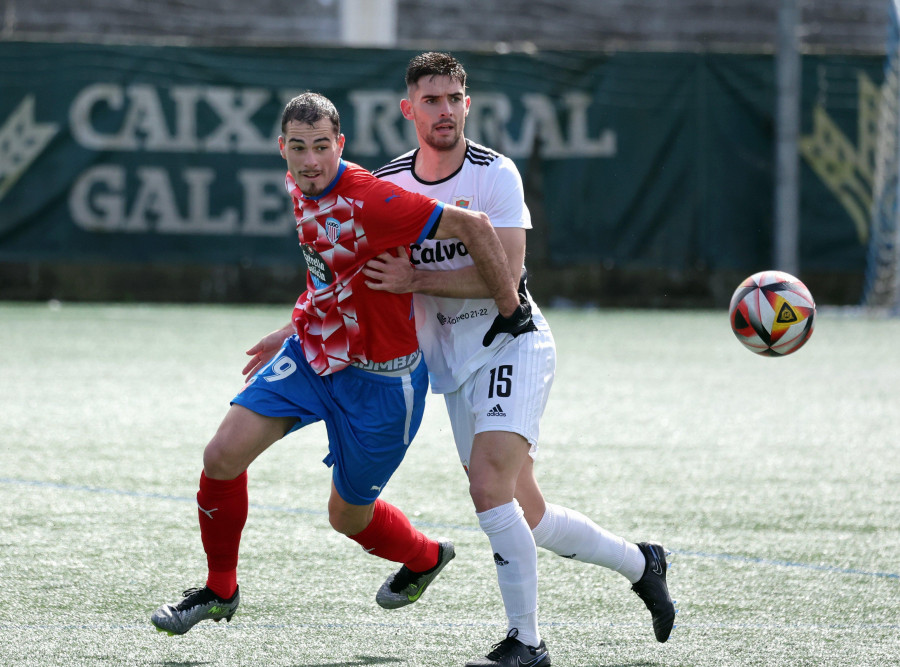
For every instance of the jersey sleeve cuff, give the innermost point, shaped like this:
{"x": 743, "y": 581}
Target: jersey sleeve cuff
{"x": 431, "y": 226}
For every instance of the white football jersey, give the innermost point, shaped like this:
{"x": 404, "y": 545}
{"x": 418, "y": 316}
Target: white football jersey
{"x": 450, "y": 330}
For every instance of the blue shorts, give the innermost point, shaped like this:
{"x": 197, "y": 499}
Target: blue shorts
{"x": 371, "y": 418}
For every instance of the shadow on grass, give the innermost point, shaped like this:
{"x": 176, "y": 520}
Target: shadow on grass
{"x": 359, "y": 661}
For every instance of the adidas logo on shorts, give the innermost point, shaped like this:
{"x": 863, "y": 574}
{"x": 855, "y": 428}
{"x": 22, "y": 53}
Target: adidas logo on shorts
{"x": 496, "y": 411}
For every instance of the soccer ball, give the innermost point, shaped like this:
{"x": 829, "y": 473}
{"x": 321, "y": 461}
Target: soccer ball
{"x": 772, "y": 313}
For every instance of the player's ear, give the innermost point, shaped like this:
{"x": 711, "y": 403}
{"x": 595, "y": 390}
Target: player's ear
{"x": 468, "y": 103}
{"x": 406, "y": 108}
{"x": 281, "y": 147}
{"x": 340, "y": 143}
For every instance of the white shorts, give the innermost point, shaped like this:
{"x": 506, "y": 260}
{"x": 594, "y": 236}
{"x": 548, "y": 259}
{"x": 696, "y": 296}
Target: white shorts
{"x": 509, "y": 393}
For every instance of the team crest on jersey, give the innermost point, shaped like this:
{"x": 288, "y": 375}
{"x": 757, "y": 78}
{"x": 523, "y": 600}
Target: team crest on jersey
{"x": 463, "y": 202}
{"x": 332, "y": 229}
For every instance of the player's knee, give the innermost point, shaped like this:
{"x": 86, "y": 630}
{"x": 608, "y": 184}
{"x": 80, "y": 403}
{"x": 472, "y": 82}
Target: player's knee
{"x": 487, "y": 493}
{"x": 346, "y": 523}
{"x": 218, "y": 464}
{"x": 338, "y": 522}
{"x": 348, "y": 519}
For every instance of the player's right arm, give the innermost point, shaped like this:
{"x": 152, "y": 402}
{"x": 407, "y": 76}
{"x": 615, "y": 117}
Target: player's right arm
{"x": 266, "y": 348}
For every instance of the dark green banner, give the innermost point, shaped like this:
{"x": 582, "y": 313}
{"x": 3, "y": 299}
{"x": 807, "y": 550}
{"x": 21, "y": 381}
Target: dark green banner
{"x": 169, "y": 154}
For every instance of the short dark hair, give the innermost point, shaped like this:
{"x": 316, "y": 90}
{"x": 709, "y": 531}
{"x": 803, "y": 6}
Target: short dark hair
{"x": 310, "y": 108}
{"x": 435, "y": 64}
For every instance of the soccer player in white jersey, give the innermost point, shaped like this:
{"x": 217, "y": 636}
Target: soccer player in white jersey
{"x": 495, "y": 390}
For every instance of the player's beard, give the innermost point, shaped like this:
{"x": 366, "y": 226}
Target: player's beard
{"x": 308, "y": 187}
{"x": 311, "y": 190}
{"x": 445, "y": 143}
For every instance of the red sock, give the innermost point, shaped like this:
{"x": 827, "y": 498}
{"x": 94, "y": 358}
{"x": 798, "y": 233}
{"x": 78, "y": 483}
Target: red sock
{"x": 390, "y": 535}
{"x": 222, "y": 508}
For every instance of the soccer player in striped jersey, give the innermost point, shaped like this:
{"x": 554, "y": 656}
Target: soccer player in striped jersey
{"x": 496, "y": 391}
{"x": 349, "y": 357}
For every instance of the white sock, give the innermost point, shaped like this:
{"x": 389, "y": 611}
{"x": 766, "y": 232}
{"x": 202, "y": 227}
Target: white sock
{"x": 516, "y": 559}
{"x": 571, "y": 534}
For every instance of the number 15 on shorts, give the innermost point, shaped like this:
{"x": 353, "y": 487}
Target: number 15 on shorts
{"x": 501, "y": 381}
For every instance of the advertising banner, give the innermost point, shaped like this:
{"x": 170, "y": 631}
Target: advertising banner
{"x": 663, "y": 160}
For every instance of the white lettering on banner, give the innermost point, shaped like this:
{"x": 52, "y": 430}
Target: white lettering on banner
{"x": 377, "y": 130}
{"x": 378, "y": 112}
{"x": 540, "y": 121}
{"x": 237, "y": 130}
{"x": 489, "y": 115}
{"x": 268, "y": 211}
{"x": 199, "y": 119}
{"x": 98, "y": 202}
{"x": 604, "y": 146}
{"x": 103, "y": 210}
{"x": 144, "y": 125}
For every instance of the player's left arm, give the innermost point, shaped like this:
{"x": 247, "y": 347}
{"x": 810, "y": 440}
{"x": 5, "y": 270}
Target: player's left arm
{"x": 392, "y": 272}
{"x": 475, "y": 230}
{"x": 505, "y": 206}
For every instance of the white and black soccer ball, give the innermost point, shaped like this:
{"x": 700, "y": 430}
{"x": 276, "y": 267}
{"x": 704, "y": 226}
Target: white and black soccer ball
{"x": 772, "y": 313}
